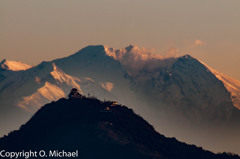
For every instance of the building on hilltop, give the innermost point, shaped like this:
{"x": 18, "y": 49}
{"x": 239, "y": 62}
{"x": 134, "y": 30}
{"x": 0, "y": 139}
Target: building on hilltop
{"x": 74, "y": 94}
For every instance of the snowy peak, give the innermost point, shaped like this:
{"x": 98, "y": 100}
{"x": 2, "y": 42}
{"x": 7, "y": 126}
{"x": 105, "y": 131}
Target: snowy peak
{"x": 90, "y": 50}
{"x": 188, "y": 60}
{"x": 130, "y": 55}
{"x": 14, "y": 65}
{"x": 191, "y": 63}
{"x": 187, "y": 56}
{"x": 194, "y": 65}
{"x": 62, "y": 77}
{"x": 232, "y": 85}
{"x": 49, "y": 92}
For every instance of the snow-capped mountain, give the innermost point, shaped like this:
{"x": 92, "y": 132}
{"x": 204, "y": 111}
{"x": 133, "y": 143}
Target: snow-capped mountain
{"x": 14, "y": 65}
{"x": 23, "y": 92}
{"x": 45, "y": 94}
{"x": 181, "y": 96}
{"x": 61, "y": 77}
{"x": 231, "y": 84}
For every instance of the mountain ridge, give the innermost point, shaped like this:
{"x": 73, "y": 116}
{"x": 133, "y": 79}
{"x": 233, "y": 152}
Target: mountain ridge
{"x": 178, "y": 95}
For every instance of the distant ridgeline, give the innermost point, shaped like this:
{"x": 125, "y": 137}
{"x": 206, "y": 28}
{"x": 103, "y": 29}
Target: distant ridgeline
{"x": 98, "y": 129}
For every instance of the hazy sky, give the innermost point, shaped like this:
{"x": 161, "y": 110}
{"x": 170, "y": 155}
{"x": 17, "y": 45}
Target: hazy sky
{"x": 36, "y": 30}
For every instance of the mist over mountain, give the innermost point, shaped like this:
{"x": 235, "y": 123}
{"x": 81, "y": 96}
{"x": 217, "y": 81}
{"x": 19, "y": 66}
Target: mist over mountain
{"x": 98, "y": 129}
{"x": 180, "y": 96}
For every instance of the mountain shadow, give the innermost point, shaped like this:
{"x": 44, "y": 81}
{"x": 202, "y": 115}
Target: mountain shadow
{"x": 98, "y": 129}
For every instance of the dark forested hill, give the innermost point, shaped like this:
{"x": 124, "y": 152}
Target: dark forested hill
{"x": 98, "y": 129}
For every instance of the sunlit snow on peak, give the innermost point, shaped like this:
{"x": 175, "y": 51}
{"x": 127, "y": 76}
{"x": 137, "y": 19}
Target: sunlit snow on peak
{"x": 62, "y": 77}
{"x": 14, "y": 65}
{"x": 49, "y": 92}
{"x": 232, "y": 85}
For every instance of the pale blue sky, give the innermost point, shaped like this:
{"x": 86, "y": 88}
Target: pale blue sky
{"x": 32, "y": 31}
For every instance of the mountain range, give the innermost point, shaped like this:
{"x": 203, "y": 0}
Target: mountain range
{"x": 181, "y": 97}
{"x": 97, "y": 129}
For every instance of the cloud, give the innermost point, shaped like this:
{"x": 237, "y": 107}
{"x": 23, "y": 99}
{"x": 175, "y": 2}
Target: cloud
{"x": 199, "y": 43}
{"x": 132, "y": 53}
{"x": 108, "y": 86}
{"x": 136, "y": 58}
{"x": 172, "y": 52}
{"x": 194, "y": 44}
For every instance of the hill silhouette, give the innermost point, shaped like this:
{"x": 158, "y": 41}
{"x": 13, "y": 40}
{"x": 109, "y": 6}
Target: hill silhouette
{"x": 98, "y": 129}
